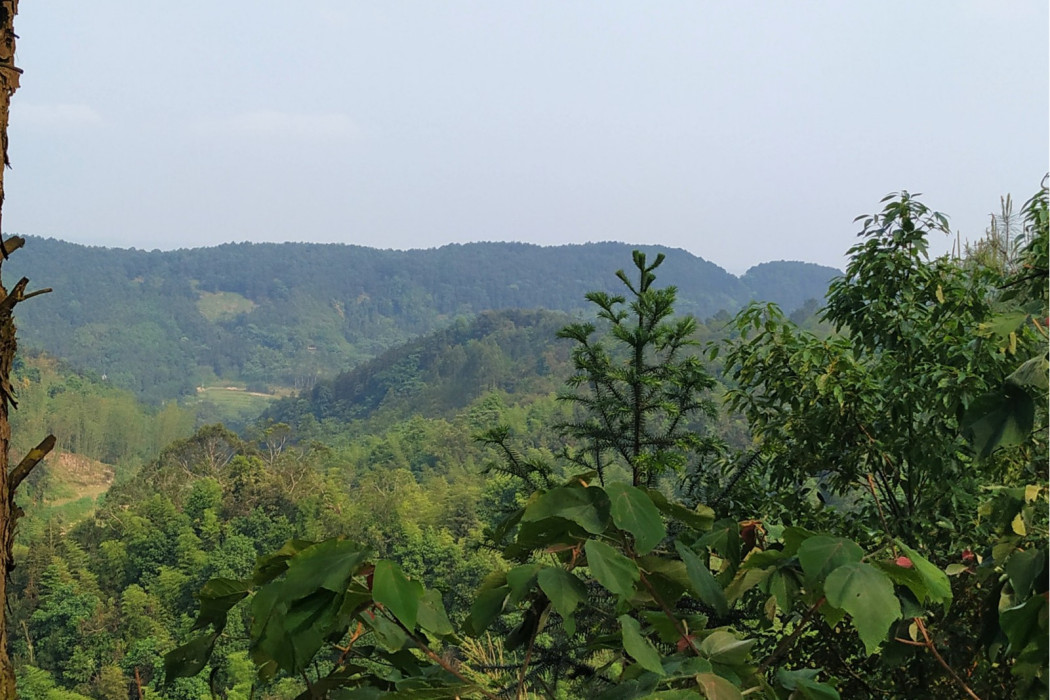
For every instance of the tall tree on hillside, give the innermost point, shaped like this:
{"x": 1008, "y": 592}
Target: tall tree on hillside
{"x": 9, "y": 512}
{"x": 639, "y": 386}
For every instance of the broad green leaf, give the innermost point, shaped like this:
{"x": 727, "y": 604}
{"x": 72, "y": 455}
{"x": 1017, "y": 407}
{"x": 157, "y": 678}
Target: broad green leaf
{"x": 1032, "y": 373}
{"x": 269, "y": 567}
{"x": 702, "y": 581}
{"x": 356, "y": 599}
{"x": 820, "y": 555}
{"x": 715, "y": 687}
{"x": 587, "y": 507}
{"x": 904, "y": 577}
{"x": 521, "y": 580}
{"x": 289, "y": 633}
{"x": 700, "y": 519}
{"x": 745, "y": 580}
{"x": 611, "y": 569}
{"x": 396, "y": 592}
{"x": 1022, "y": 568}
{"x": 388, "y": 633}
{"x": 216, "y": 598}
{"x": 487, "y": 606}
{"x": 804, "y": 683}
{"x": 306, "y": 624}
{"x": 634, "y": 512}
{"x": 639, "y": 648}
{"x": 671, "y": 570}
{"x": 793, "y": 537}
{"x": 783, "y": 585}
{"x": 763, "y": 559}
{"x": 328, "y": 565}
{"x": 1024, "y": 623}
{"x": 564, "y": 590}
{"x": 724, "y": 538}
{"x": 812, "y": 690}
{"x": 189, "y": 659}
{"x": 432, "y": 616}
{"x": 832, "y": 615}
{"x": 1002, "y": 325}
{"x": 999, "y": 419}
{"x": 542, "y": 534}
{"x": 938, "y": 587}
{"x": 722, "y": 647}
{"x": 867, "y": 595}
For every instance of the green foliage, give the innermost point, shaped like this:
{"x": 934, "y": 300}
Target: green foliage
{"x": 637, "y": 397}
{"x": 161, "y": 324}
{"x": 610, "y": 538}
{"x": 868, "y": 538}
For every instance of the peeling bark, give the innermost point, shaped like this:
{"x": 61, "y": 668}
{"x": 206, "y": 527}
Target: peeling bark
{"x": 9, "y": 480}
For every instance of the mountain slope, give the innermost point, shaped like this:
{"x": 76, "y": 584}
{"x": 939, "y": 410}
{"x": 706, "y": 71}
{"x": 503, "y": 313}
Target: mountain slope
{"x": 161, "y": 323}
{"x": 515, "y": 351}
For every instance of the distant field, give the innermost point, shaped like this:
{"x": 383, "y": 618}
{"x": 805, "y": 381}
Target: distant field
{"x": 74, "y": 484}
{"x": 231, "y": 405}
{"x": 218, "y": 306}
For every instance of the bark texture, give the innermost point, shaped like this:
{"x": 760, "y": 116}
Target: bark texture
{"x": 9, "y": 76}
{"x": 9, "y": 478}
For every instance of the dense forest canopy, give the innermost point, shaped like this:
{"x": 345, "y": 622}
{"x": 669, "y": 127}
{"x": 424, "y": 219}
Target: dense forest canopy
{"x": 621, "y": 497}
{"x": 161, "y": 324}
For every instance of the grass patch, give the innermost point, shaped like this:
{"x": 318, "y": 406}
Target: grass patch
{"x": 232, "y": 406}
{"x": 220, "y": 306}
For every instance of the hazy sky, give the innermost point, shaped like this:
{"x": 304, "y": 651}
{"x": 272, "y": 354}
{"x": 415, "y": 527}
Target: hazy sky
{"x": 743, "y": 132}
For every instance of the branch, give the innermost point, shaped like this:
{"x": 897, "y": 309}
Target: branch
{"x": 437, "y": 659}
{"x": 787, "y": 642}
{"x": 11, "y": 245}
{"x": 528, "y": 653}
{"x": 29, "y": 461}
{"x": 678, "y": 626}
{"x": 933, "y": 649}
{"x": 18, "y": 294}
{"x": 882, "y": 515}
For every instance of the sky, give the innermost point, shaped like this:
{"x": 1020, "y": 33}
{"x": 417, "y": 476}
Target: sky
{"x": 741, "y": 132}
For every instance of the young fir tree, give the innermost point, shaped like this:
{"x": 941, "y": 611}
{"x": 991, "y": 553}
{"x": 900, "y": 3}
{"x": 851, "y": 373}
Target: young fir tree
{"x": 638, "y": 387}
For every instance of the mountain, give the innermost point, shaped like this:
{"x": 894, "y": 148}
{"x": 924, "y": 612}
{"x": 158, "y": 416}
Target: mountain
{"x": 440, "y": 373}
{"x": 162, "y": 323}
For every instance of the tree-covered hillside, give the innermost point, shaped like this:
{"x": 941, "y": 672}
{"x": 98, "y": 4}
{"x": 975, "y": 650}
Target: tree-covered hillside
{"x": 162, "y": 323}
{"x": 536, "y": 504}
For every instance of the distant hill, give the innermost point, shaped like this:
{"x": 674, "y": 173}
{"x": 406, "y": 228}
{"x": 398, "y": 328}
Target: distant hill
{"x": 162, "y": 323}
{"x": 438, "y": 374}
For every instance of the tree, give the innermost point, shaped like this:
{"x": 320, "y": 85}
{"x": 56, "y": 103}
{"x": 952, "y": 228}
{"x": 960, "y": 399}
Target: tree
{"x": 915, "y": 422}
{"x": 9, "y": 480}
{"x": 638, "y": 396}
{"x": 877, "y": 405}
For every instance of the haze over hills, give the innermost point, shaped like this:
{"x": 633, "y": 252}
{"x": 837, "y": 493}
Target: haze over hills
{"x": 162, "y": 323}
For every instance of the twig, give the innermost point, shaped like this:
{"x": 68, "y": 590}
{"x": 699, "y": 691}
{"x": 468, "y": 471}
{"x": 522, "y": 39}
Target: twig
{"x": 789, "y": 641}
{"x": 528, "y": 652}
{"x": 438, "y": 660}
{"x": 882, "y": 515}
{"x": 936, "y": 654}
{"x": 682, "y": 631}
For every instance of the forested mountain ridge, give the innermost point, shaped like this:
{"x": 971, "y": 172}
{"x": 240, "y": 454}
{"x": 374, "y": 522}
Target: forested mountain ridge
{"x": 515, "y": 352}
{"x": 163, "y": 322}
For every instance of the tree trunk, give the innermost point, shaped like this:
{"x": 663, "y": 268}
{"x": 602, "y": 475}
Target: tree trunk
{"x": 9, "y": 479}
{"x": 8, "y": 84}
